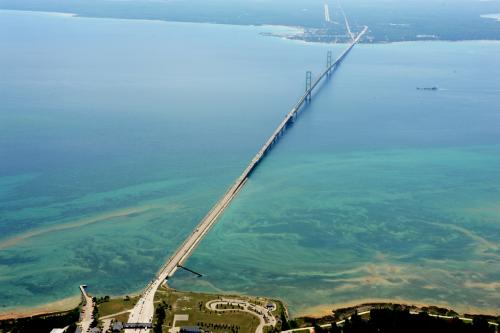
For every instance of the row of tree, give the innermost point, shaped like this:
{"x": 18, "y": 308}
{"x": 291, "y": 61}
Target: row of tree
{"x": 100, "y": 300}
{"x": 160, "y": 315}
{"x": 231, "y": 327}
{"x": 397, "y": 321}
{"x": 42, "y": 323}
{"x": 228, "y": 306}
{"x": 95, "y": 315}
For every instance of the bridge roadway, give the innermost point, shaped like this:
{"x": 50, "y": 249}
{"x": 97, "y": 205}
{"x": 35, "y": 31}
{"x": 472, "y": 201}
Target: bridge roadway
{"x": 144, "y": 309}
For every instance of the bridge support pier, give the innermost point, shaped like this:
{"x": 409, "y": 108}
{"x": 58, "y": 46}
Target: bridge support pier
{"x": 308, "y": 85}
{"x": 328, "y": 62}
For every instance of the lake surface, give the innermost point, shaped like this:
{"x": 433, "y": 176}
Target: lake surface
{"x": 379, "y": 192}
{"x": 117, "y": 136}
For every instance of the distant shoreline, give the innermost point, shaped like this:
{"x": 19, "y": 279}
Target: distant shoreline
{"x": 297, "y": 37}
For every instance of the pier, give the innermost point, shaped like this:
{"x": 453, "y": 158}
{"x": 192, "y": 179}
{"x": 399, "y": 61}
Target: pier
{"x": 190, "y": 271}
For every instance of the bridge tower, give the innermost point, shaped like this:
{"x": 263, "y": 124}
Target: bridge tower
{"x": 308, "y": 85}
{"x": 329, "y": 61}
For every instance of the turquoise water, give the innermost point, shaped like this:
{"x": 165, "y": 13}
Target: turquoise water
{"x": 116, "y": 137}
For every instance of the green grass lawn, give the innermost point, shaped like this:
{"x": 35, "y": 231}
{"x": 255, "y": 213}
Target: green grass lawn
{"x": 116, "y": 305}
{"x": 193, "y": 304}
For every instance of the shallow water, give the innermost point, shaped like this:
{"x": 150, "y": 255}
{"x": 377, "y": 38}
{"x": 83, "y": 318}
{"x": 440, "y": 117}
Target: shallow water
{"x": 116, "y": 137}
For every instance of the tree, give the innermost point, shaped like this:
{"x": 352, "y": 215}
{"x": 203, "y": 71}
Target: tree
{"x": 481, "y": 325}
{"x": 71, "y": 328}
{"x": 334, "y": 328}
{"x": 317, "y": 328}
{"x": 160, "y": 319}
{"x": 284, "y": 323}
{"x": 95, "y": 316}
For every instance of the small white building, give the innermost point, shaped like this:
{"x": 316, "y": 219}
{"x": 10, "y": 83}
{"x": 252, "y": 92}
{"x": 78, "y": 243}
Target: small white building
{"x": 57, "y": 330}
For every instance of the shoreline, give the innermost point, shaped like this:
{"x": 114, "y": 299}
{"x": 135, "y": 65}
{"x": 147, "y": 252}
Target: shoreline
{"x": 263, "y": 25}
{"x": 61, "y": 305}
{"x": 64, "y": 304}
{"x": 322, "y": 310}
{"x": 317, "y": 311}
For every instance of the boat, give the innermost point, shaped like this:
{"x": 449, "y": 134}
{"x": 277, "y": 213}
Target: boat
{"x": 427, "y": 88}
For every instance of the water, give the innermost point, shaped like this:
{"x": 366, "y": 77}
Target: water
{"x": 379, "y": 192}
{"x": 124, "y": 133}
{"x": 117, "y": 136}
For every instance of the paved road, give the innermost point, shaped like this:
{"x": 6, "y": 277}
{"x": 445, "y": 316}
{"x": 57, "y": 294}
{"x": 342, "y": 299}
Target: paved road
{"x": 115, "y": 314}
{"x": 87, "y": 310}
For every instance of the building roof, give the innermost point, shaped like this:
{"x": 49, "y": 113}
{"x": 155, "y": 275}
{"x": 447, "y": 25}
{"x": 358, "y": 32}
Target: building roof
{"x": 137, "y": 325}
{"x": 57, "y": 330}
{"x": 117, "y": 326}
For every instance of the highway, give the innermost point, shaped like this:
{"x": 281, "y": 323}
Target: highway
{"x": 348, "y": 28}
{"x": 144, "y": 309}
{"x": 327, "y": 13}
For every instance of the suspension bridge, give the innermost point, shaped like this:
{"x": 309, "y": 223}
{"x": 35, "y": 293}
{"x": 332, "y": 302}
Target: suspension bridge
{"x": 141, "y": 317}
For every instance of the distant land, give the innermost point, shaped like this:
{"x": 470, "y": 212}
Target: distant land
{"x": 411, "y": 20}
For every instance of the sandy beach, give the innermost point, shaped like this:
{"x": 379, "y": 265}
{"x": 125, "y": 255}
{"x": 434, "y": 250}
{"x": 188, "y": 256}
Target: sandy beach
{"x": 62, "y": 305}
